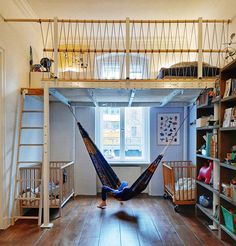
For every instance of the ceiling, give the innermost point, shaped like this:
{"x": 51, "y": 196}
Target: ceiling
{"x": 136, "y": 9}
{"x": 121, "y": 97}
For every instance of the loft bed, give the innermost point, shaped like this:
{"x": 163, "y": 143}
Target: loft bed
{"x": 136, "y": 51}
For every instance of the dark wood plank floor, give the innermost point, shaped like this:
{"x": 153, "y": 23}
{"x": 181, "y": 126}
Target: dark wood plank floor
{"x": 142, "y": 221}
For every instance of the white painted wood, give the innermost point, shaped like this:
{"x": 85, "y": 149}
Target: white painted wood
{"x": 127, "y": 56}
{"x": 55, "y": 46}
{"x": 2, "y": 131}
{"x": 200, "y": 54}
{"x": 46, "y": 159}
{"x": 185, "y": 135}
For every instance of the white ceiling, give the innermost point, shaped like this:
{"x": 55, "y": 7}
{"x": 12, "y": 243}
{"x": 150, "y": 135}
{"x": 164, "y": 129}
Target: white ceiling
{"x": 136, "y": 9}
{"x": 121, "y": 97}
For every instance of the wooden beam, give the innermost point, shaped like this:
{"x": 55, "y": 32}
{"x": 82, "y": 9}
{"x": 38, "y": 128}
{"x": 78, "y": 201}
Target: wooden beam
{"x": 116, "y": 21}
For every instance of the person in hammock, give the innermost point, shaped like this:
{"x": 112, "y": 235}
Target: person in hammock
{"x": 118, "y": 194}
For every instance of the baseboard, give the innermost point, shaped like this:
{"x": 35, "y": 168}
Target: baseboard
{"x": 6, "y": 223}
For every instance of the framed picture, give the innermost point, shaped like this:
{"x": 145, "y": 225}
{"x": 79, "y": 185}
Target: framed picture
{"x": 167, "y": 125}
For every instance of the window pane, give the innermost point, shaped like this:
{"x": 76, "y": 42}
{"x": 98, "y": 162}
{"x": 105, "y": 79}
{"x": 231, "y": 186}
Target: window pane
{"x": 110, "y": 132}
{"x": 134, "y": 125}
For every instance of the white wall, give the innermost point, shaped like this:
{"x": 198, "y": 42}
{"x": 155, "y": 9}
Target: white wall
{"x": 85, "y": 176}
{"x": 175, "y": 152}
{"x": 15, "y": 43}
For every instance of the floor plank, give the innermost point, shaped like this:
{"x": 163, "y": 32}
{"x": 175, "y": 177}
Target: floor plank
{"x": 143, "y": 221}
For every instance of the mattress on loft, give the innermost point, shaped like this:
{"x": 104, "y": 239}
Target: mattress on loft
{"x": 187, "y": 71}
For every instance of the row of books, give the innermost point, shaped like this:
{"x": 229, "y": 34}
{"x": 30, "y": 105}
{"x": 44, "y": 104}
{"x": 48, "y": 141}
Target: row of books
{"x": 230, "y": 117}
{"x": 211, "y": 144}
{"x": 230, "y": 88}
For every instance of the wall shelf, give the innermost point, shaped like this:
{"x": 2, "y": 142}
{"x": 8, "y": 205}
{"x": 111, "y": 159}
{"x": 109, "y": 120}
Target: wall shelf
{"x": 228, "y": 166}
{"x": 229, "y": 99}
{"x": 203, "y": 128}
{"x": 207, "y": 186}
{"x": 208, "y": 212}
{"x": 231, "y": 234}
{"x": 208, "y": 158}
{"x": 228, "y": 129}
{"x": 228, "y": 199}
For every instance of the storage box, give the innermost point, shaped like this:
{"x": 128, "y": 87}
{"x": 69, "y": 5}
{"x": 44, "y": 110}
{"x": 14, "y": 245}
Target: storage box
{"x": 229, "y": 219}
{"x": 203, "y": 121}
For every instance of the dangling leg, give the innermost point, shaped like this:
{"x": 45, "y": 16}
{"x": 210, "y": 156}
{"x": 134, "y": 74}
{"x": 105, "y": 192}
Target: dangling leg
{"x": 105, "y": 190}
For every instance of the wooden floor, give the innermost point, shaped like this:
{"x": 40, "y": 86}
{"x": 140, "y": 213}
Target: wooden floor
{"x": 142, "y": 221}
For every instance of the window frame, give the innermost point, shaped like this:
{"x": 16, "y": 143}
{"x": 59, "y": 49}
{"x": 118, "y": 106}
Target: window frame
{"x": 146, "y": 132}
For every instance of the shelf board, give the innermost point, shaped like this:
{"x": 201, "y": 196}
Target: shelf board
{"x": 209, "y": 187}
{"x": 230, "y": 233}
{"x": 207, "y": 157}
{"x": 207, "y": 128}
{"x": 228, "y": 199}
{"x": 205, "y": 106}
{"x": 216, "y": 100}
{"x": 208, "y": 212}
{"x": 229, "y": 99}
{"x": 228, "y": 166}
{"x": 228, "y": 129}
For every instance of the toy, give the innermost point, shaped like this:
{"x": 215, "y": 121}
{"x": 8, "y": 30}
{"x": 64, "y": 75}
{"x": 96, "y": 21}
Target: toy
{"x": 205, "y": 201}
{"x": 205, "y": 173}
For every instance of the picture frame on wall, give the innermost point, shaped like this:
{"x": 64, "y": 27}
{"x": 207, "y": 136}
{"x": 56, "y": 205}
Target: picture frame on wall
{"x": 167, "y": 125}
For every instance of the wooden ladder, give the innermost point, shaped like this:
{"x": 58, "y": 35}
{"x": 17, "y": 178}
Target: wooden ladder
{"x": 19, "y": 198}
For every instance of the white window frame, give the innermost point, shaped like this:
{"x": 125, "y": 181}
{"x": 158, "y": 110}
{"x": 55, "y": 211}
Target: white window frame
{"x": 146, "y": 132}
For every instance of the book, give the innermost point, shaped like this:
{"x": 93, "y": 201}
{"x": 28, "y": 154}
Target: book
{"x": 233, "y": 87}
{"x": 227, "y": 117}
{"x": 227, "y": 88}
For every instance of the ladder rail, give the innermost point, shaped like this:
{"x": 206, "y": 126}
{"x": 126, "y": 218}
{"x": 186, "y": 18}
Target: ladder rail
{"x": 21, "y": 181}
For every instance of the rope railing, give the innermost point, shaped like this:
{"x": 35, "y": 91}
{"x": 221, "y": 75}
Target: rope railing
{"x": 133, "y": 49}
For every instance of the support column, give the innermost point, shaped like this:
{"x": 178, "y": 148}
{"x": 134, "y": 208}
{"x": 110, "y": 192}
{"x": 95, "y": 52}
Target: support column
{"x": 55, "y": 47}
{"x": 46, "y": 156}
{"x": 127, "y": 71}
{"x": 200, "y": 54}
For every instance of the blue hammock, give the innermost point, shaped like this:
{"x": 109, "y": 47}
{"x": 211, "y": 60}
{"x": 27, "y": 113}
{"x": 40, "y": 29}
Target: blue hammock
{"x": 108, "y": 177}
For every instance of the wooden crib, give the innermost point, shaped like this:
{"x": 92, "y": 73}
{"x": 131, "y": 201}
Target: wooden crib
{"x": 61, "y": 185}
{"x": 179, "y": 182}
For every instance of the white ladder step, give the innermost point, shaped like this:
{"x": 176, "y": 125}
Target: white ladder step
{"x": 32, "y": 111}
{"x": 27, "y": 199}
{"x": 29, "y": 162}
{"x": 22, "y": 180}
{"x": 27, "y": 217}
{"x": 31, "y": 127}
{"x": 31, "y": 145}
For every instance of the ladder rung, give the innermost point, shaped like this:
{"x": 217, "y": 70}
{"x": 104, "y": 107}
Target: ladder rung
{"x": 22, "y": 180}
{"x": 31, "y": 145}
{"x": 32, "y": 199}
{"x": 31, "y": 127}
{"x": 27, "y": 217}
{"x": 32, "y": 111}
{"x": 29, "y": 162}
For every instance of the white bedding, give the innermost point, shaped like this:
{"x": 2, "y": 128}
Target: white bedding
{"x": 185, "y": 189}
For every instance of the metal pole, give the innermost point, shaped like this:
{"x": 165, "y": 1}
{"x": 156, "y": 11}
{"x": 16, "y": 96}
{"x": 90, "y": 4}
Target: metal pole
{"x": 45, "y": 174}
{"x": 200, "y": 56}
{"x": 55, "y": 46}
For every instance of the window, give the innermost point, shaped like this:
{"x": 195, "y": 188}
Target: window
{"x": 123, "y": 135}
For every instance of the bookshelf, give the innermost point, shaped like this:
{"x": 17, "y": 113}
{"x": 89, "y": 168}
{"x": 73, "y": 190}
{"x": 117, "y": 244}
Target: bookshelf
{"x": 227, "y": 138}
{"x": 205, "y": 132}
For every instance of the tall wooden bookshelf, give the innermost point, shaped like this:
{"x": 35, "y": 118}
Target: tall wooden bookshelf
{"x": 227, "y": 138}
{"x": 223, "y": 171}
{"x": 209, "y": 215}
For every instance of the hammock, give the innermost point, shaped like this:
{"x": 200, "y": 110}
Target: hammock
{"x": 108, "y": 177}
{"x": 104, "y": 171}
